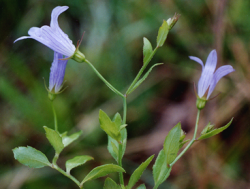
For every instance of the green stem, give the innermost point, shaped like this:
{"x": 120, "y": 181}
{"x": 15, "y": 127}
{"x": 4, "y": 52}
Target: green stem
{"x": 124, "y": 109}
{"x": 55, "y": 117}
{"x": 67, "y": 175}
{"x": 55, "y": 159}
{"x": 120, "y": 164}
{"x": 191, "y": 142}
{"x": 141, "y": 70}
{"x": 104, "y": 80}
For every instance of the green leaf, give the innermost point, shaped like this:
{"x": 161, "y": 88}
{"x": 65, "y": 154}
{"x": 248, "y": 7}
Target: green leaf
{"x": 138, "y": 172}
{"x": 161, "y": 170}
{"x": 109, "y": 127}
{"x": 142, "y": 186}
{"x": 215, "y": 131}
{"x": 138, "y": 83}
{"x": 207, "y": 129}
{"x": 77, "y": 161}
{"x": 66, "y": 140}
{"x": 101, "y": 171}
{"x": 55, "y": 139}
{"x": 113, "y": 145}
{"x": 110, "y": 184}
{"x": 162, "y": 34}
{"x": 147, "y": 50}
{"x": 171, "y": 144}
{"x": 31, "y": 157}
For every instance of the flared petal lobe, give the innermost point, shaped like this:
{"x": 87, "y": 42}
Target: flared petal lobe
{"x": 57, "y": 72}
{"x": 52, "y": 36}
{"x": 196, "y": 59}
{"x": 220, "y": 72}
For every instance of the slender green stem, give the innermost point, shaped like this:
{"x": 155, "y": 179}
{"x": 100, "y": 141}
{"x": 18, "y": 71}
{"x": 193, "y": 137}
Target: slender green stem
{"x": 141, "y": 70}
{"x": 67, "y": 175}
{"x": 124, "y": 109}
{"x": 191, "y": 142}
{"x": 55, "y": 159}
{"x": 120, "y": 164}
{"x": 55, "y": 117}
{"x": 103, "y": 79}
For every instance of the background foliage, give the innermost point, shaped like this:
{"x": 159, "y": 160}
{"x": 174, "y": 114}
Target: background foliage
{"x": 113, "y": 42}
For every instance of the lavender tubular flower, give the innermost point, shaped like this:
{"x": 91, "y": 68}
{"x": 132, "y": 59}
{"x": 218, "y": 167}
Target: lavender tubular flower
{"x": 57, "y": 72}
{"x": 209, "y": 77}
{"x": 52, "y": 36}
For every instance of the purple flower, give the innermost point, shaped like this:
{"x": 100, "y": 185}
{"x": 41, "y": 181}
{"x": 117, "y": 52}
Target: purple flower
{"x": 52, "y": 36}
{"x": 57, "y": 72}
{"x": 209, "y": 77}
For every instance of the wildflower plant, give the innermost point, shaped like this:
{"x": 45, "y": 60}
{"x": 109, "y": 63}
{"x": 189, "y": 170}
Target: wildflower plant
{"x": 115, "y": 128}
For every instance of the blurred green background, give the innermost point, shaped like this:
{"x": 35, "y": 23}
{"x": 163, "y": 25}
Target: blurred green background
{"x": 113, "y": 43}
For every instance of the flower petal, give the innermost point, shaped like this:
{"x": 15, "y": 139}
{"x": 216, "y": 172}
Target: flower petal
{"x": 207, "y": 73}
{"x": 53, "y": 37}
{"x": 57, "y": 72}
{"x": 220, "y": 72}
{"x": 211, "y": 61}
{"x": 55, "y": 14}
{"x": 204, "y": 82}
{"x": 196, "y": 59}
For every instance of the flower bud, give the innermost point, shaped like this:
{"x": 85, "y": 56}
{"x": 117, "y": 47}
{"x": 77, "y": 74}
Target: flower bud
{"x": 172, "y": 21}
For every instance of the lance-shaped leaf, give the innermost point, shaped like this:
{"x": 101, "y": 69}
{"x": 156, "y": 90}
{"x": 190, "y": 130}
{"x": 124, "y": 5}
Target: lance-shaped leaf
{"x": 161, "y": 170}
{"x": 108, "y": 126}
{"x": 77, "y": 161}
{"x": 110, "y": 184}
{"x": 172, "y": 142}
{"x": 55, "y": 139}
{"x": 215, "y": 131}
{"x": 162, "y": 33}
{"x": 138, "y": 172}
{"x": 147, "y": 50}
{"x": 66, "y": 140}
{"x": 113, "y": 145}
{"x": 138, "y": 83}
{"x": 31, "y": 157}
{"x": 142, "y": 186}
{"x": 101, "y": 171}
